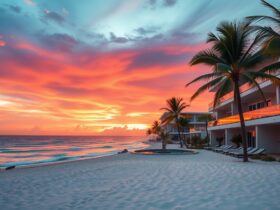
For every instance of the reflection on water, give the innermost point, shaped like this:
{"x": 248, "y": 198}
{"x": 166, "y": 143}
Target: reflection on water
{"x": 27, "y": 150}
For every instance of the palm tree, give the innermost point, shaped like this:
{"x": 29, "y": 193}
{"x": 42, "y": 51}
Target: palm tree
{"x": 232, "y": 56}
{"x": 272, "y": 43}
{"x": 156, "y": 128}
{"x": 206, "y": 118}
{"x": 183, "y": 123}
{"x": 174, "y": 110}
{"x": 164, "y": 136}
{"x": 149, "y": 131}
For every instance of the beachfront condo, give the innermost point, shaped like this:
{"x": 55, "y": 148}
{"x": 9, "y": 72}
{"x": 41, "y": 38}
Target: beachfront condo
{"x": 195, "y": 127}
{"x": 262, "y": 118}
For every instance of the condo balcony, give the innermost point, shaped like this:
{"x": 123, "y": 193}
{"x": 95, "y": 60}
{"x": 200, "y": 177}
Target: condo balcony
{"x": 269, "y": 111}
{"x": 245, "y": 90}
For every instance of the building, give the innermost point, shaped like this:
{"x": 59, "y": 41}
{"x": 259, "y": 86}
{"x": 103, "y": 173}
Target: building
{"x": 262, "y": 121}
{"x": 196, "y": 126}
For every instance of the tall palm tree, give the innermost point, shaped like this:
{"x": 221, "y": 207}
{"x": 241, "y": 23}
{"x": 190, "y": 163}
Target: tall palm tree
{"x": 183, "y": 123}
{"x": 232, "y": 56}
{"x": 272, "y": 43}
{"x": 149, "y": 131}
{"x": 156, "y": 128}
{"x": 206, "y": 118}
{"x": 174, "y": 110}
{"x": 164, "y": 136}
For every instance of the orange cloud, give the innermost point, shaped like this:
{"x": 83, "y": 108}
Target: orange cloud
{"x": 87, "y": 93}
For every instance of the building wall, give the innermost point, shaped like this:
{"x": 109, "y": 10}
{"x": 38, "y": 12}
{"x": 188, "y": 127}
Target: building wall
{"x": 216, "y": 134}
{"x": 268, "y": 137}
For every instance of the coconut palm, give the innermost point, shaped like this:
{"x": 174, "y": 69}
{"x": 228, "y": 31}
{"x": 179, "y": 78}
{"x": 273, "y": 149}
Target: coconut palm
{"x": 156, "y": 128}
{"x": 232, "y": 56}
{"x": 206, "y": 118}
{"x": 149, "y": 131}
{"x": 164, "y": 136}
{"x": 272, "y": 43}
{"x": 183, "y": 123}
{"x": 174, "y": 109}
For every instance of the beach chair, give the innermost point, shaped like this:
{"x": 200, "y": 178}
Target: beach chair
{"x": 222, "y": 148}
{"x": 240, "y": 152}
{"x": 258, "y": 151}
{"x": 228, "y": 152}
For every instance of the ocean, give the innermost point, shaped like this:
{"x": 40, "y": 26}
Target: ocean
{"x": 33, "y": 150}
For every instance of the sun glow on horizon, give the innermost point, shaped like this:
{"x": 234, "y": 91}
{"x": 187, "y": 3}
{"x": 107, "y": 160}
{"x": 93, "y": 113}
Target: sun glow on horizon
{"x": 95, "y": 68}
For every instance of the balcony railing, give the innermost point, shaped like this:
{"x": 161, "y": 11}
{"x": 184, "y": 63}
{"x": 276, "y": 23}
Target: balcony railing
{"x": 252, "y": 115}
{"x": 243, "y": 88}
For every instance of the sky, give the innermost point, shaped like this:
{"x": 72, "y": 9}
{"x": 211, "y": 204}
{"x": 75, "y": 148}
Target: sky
{"x": 102, "y": 67}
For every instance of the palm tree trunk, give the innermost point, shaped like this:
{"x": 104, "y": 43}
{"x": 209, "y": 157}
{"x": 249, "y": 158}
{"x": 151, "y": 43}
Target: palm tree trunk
{"x": 242, "y": 122}
{"x": 179, "y": 135}
{"x": 207, "y": 134}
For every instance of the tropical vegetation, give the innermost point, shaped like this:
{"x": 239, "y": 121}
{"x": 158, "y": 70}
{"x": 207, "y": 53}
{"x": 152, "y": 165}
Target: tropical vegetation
{"x": 232, "y": 57}
{"x": 174, "y": 109}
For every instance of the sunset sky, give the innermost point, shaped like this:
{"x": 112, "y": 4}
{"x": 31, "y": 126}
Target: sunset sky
{"x": 103, "y": 67}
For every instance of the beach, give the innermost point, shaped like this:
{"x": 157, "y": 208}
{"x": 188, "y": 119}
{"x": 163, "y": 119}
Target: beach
{"x": 127, "y": 181}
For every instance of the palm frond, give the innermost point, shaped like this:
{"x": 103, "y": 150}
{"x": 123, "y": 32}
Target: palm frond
{"x": 206, "y": 86}
{"x": 275, "y": 11}
{"x": 208, "y": 57}
{"x": 204, "y": 77}
{"x": 257, "y": 18}
{"x": 264, "y": 76}
{"x": 225, "y": 87}
{"x": 267, "y": 30}
{"x": 251, "y": 80}
{"x": 272, "y": 68}
{"x": 258, "y": 38}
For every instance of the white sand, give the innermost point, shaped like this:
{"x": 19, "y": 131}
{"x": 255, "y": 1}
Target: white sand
{"x": 203, "y": 181}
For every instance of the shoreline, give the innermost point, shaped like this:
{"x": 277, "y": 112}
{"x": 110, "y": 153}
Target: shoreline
{"x": 160, "y": 182}
{"x": 3, "y": 169}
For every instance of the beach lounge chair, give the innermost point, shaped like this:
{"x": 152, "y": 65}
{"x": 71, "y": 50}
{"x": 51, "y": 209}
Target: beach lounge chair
{"x": 258, "y": 151}
{"x": 219, "y": 148}
{"x": 222, "y": 148}
{"x": 227, "y": 152}
{"x": 240, "y": 152}
{"x": 226, "y": 149}
{"x": 211, "y": 148}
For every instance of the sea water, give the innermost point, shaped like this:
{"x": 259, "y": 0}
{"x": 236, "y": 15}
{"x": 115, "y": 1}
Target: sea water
{"x": 32, "y": 150}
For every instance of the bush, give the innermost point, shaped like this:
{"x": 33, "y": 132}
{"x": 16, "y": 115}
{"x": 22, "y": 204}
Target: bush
{"x": 267, "y": 158}
{"x": 169, "y": 141}
{"x": 219, "y": 140}
{"x": 256, "y": 157}
{"x": 199, "y": 146}
{"x": 237, "y": 140}
{"x": 196, "y": 140}
{"x": 263, "y": 158}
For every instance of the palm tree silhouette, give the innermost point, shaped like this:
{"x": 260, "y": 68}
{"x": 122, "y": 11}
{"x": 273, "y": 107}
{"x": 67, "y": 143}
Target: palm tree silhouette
{"x": 271, "y": 45}
{"x": 174, "y": 110}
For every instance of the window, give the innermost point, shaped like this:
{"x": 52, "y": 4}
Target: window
{"x": 259, "y": 105}
{"x": 251, "y": 137}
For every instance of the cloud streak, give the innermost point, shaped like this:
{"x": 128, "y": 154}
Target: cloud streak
{"x": 100, "y": 68}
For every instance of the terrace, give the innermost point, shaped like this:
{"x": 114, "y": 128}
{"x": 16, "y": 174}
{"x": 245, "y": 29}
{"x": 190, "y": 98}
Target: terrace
{"x": 251, "y": 115}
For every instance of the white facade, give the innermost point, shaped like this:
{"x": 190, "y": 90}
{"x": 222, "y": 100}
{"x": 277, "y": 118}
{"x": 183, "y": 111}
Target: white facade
{"x": 262, "y": 122}
{"x": 196, "y": 127}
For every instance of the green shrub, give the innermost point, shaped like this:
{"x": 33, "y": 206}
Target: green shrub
{"x": 199, "y": 146}
{"x": 263, "y": 158}
{"x": 219, "y": 140}
{"x": 256, "y": 157}
{"x": 267, "y": 158}
{"x": 195, "y": 140}
{"x": 237, "y": 140}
